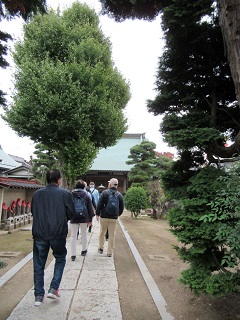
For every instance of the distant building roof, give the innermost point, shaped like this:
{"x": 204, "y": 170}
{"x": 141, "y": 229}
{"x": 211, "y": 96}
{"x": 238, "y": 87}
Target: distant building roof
{"x": 7, "y": 162}
{"x": 19, "y": 183}
{"x": 19, "y": 159}
{"x": 114, "y": 158}
{"x": 22, "y": 171}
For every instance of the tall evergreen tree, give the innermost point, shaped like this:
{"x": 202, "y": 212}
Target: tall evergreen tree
{"x": 67, "y": 87}
{"x": 45, "y": 159}
{"x": 147, "y": 166}
{"x": 197, "y": 98}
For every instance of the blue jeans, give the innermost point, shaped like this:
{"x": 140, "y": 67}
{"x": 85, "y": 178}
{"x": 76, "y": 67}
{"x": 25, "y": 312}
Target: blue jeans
{"x": 40, "y": 254}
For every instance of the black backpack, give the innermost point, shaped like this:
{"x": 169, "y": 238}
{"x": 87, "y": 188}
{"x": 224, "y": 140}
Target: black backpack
{"x": 80, "y": 207}
{"x": 112, "y": 206}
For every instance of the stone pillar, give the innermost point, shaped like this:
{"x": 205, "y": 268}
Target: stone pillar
{"x": 25, "y": 220}
{"x": 10, "y": 224}
{"x": 3, "y": 215}
{"x": 21, "y": 220}
{"x": 16, "y": 222}
{"x": 29, "y": 218}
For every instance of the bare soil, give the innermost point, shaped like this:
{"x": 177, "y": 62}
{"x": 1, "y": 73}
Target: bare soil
{"x": 155, "y": 245}
{"x": 152, "y": 237}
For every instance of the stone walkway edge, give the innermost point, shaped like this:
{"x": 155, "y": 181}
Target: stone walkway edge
{"x": 89, "y": 288}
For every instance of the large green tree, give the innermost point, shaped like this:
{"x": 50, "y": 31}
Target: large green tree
{"x": 68, "y": 93}
{"x": 10, "y": 9}
{"x": 147, "y": 170}
{"x": 228, "y": 11}
{"x": 196, "y": 96}
{"x": 44, "y": 160}
{"x": 146, "y": 165}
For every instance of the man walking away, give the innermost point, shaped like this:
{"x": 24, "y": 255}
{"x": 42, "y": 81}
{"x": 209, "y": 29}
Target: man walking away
{"x": 51, "y": 208}
{"x": 110, "y": 207}
{"x": 95, "y": 198}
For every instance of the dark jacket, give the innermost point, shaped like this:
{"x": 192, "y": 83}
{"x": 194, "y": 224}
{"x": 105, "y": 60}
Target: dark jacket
{"x": 51, "y": 208}
{"x": 103, "y": 200}
{"x": 83, "y": 194}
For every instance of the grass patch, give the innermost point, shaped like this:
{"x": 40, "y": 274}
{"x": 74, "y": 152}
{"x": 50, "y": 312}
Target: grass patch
{"x": 17, "y": 241}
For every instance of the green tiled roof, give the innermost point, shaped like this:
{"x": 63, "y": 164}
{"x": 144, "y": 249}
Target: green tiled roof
{"x": 114, "y": 158}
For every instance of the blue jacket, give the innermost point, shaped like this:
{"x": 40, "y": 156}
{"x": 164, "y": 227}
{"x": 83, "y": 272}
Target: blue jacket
{"x": 51, "y": 208}
{"x": 95, "y": 195}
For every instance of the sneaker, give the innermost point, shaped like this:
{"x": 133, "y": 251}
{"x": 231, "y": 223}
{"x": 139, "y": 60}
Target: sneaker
{"x": 73, "y": 258}
{"x": 38, "y": 300}
{"x": 83, "y": 253}
{"x": 100, "y": 250}
{"x": 53, "y": 294}
{"x": 109, "y": 255}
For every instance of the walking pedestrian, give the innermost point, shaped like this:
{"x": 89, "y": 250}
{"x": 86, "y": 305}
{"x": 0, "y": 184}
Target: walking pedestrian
{"x": 51, "y": 209}
{"x": 110, "y": 207}
{"x": 95, "y": 198}
{"x": 81, "y": 221}
{"x": 94, "y": 192}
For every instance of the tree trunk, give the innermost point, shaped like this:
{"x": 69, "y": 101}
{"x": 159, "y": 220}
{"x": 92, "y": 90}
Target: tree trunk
{"x": 229, "y": 13}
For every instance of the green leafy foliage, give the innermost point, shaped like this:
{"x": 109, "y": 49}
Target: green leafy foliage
{"x": 68, "y": 94}
{"x": 127, "y": 9}
{"x": 196, "y": 96}
{"x": 2, "y": 264}
{"x": 225, "y": 211}
{"x": 206, "y": 222}
{"x": 45, "y": 159}
{"x": 8, "y": 10}
{"x": 135, "y": 200}
{"x": 155, "y": 194}
{"x": 147, "y": 166}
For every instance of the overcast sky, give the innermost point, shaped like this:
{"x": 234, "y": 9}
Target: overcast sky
{"x": 136, "y": 46}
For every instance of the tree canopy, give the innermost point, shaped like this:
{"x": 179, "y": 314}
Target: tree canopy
{"x": 10, "y": 9}
{"x": 147, "y": 166}
{"x": 45, "y": 159}
{"x": 68, "y": 93}
{"x": 228, "y": 12}
{"x": 196, "y": 95}
{"x": 136, "y": 200}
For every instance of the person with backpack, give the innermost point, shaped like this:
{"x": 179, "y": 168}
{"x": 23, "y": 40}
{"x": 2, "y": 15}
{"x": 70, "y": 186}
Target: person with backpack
{"x": 82, "y": 217}
{"x": 110, "y": 207}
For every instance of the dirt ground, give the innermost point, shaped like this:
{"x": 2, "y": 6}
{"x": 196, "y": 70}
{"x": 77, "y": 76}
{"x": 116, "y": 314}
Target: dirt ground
{"x": 154, "y": 243}
{"x": 151, "y": 237}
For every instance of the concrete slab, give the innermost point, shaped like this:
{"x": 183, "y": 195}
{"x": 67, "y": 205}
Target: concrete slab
{"x": 95, "y": 305}
{"x": 50, "y": 309}
{"x": 9, "y": 254}
{"x": 89, "y": 288}
{"x": 98, "y": 280}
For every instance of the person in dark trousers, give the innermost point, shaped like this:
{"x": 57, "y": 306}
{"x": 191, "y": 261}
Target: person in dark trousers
{"x": 51, "y": 209}
{"x": 108, "y": 220}
{"x": 79, "y": 221}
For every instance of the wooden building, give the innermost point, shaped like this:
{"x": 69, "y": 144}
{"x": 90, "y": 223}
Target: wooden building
{"x": 111, "y": 163}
